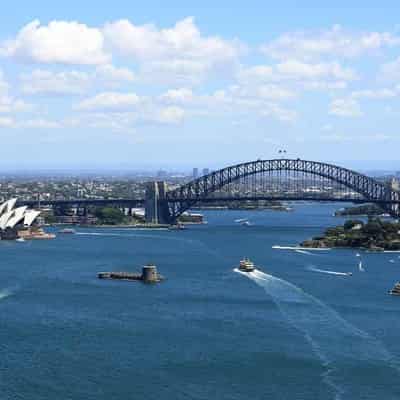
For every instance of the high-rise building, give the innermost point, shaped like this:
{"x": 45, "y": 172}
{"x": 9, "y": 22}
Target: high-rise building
{"x": 195, "y": 173}
{"x": 206, "y": 171}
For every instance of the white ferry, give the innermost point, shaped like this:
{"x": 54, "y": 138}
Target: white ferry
{"x": 246, "y": 265}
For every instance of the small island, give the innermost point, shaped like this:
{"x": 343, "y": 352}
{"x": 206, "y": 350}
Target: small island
{"x": 361, "y": 210}
{"x": 374, "y": 235}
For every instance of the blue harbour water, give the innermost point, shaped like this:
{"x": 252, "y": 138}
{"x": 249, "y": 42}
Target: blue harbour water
{"x": 291, "y": 331}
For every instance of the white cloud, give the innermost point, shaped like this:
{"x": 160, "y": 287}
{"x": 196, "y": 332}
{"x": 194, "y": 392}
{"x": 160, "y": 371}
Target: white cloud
{"x": 40, "y": 124}
{"x": 114, "y": 76}
{"x": 9, "y": 104}
{"x": 73, "y": 82}
{"x": 180, "y": 53}
{"x": 170, "y": 115}
{"x": 111, "y": 101}
{"x": 182, "y": 95}
{"x": 294, "y": 70}
{"x": 114, "y": 121}
{"x": 3, "y": 83}
{"x": 375, "y": 94}
{"x": 186, "y": 72}
{"x": 346, "y": 107}
{"x": 183, "y": 41}
{"x": 235, "y": 100}
{"x": 6, "y": 122}
{"x": 269, "y": 92}
{"x": 48, "y": 82}
{"x": 280, "y": 113}
{"x": 391, "y": 71}
{"x": 59, "y": 42}
{"x": 336, "y": 41}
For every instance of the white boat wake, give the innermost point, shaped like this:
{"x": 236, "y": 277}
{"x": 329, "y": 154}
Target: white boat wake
{"x": 325, "y": 271}
{"x": 300, "y": 248}
{"x": 304, "y": 252}
{"x": 4, "y": 293}
{"x": 343, "y": 349}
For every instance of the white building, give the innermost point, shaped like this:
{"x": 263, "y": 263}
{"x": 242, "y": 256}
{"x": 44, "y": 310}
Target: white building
{"x": 12, "y": 217}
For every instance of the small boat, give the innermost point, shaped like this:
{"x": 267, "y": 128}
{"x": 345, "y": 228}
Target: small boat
{"x": 360, "y": 267}
{"x": 358, "y": 255}
{"x": 246, "y": 265}
{"x": 67, "y": 230}
{"x": 396, "y": 290}
{"x": 241, "y": 220}
{"x": 19, "y": 240}
{"x": 177, "y": 227}
{"x": 349, "y": 273}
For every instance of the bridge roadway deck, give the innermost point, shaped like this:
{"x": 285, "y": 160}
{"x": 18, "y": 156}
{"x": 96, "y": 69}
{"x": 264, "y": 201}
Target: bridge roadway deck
{"x": 140, "y": 202}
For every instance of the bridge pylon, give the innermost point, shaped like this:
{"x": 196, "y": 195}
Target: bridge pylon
{"x": 156, "y": 204}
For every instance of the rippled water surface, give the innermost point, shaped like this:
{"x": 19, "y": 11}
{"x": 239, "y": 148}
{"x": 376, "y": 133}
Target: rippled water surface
{"x": 297, "y": 328}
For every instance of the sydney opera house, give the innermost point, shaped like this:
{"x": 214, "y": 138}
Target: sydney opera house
{"x": 18, "y": 222}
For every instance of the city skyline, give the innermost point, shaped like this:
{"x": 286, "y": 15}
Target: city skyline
{"x": 121, "y": 87}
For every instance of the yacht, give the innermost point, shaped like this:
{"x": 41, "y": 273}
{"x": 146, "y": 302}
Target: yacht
{"x": 246, "y": 265}
{"x": 241, "y": 220}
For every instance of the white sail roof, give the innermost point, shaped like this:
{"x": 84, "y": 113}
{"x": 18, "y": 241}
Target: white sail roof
{"x": 17, "y": 217}
{"x": 3, "y": 207}
{"x": 30, "y": 216}
{"x": 7, "y": 206}
{"x": 4, "y": 219}
{"x": 10, "y": 217}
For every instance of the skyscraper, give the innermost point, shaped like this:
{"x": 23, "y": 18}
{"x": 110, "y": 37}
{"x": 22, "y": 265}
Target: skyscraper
{"x": 195, "y": 173}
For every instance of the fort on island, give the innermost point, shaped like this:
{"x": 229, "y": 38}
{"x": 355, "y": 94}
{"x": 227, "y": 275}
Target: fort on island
{"x": 149, "y": 275}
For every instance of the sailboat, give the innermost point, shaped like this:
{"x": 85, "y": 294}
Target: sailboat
{"x": 360, "y": 266}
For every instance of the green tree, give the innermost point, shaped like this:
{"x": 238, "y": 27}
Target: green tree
{"x": 110, "y": 215}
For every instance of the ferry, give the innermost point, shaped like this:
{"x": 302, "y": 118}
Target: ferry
{"x": 246, "y": 265}
{"x": 396, "y": 290}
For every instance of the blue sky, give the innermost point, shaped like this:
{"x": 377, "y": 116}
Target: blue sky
{"x": 144, "y": 84}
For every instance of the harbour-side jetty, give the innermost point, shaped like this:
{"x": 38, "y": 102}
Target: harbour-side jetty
{"x": 149, "y": 275}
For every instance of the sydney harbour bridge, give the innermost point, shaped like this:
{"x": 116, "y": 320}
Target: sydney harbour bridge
{"x": 276, "y": 179}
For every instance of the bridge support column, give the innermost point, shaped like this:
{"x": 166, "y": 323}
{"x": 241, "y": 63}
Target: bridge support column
{"x": 156, "y": 205}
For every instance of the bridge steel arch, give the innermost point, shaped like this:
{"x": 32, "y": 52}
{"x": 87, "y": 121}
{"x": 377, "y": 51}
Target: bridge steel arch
{"x": 186, "y": 196}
